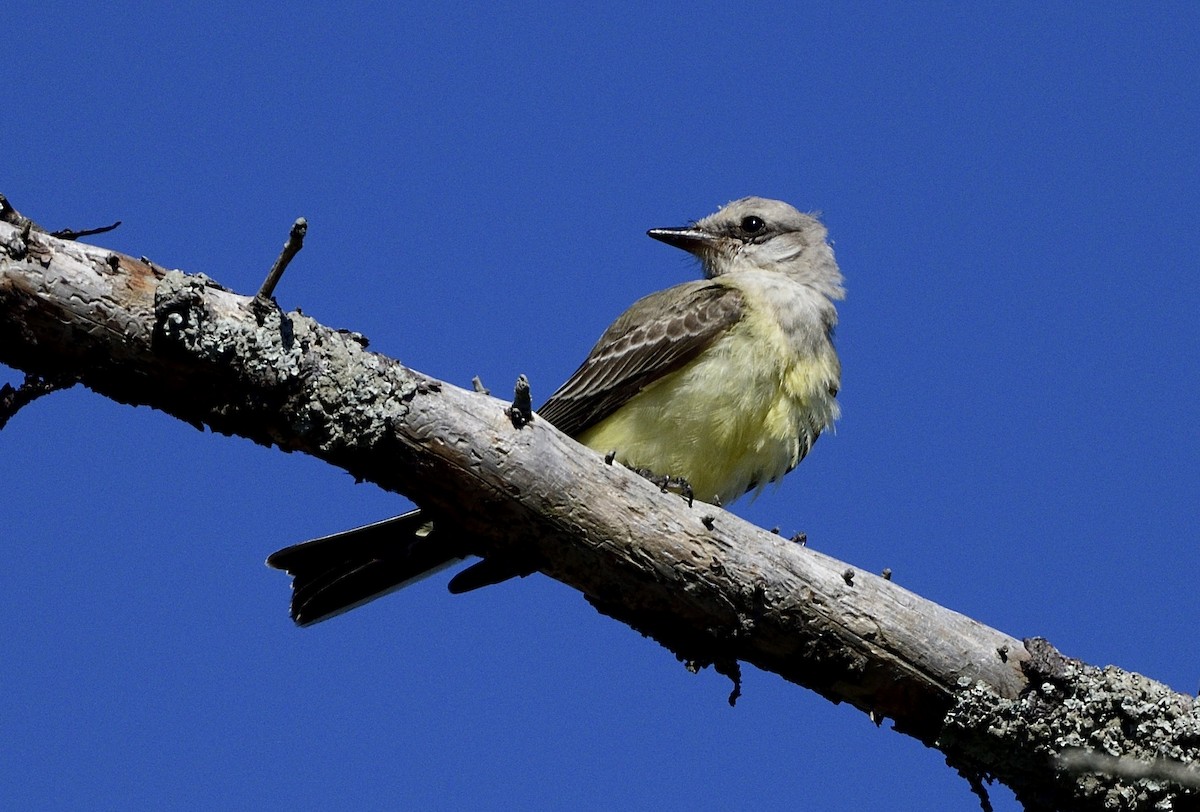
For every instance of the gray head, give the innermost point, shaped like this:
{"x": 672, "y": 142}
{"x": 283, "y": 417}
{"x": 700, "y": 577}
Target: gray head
{"x": 755, "y": 233}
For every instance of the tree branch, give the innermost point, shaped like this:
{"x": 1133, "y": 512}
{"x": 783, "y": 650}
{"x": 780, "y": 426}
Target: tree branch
{"x": 707, "y": 585}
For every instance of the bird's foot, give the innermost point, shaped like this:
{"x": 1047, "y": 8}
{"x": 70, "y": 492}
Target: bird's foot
{"x": 675, "y": 484}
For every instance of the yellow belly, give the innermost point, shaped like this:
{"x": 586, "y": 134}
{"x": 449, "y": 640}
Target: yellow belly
{"x": 739, "y": 416}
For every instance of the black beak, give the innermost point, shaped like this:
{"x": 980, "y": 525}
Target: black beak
{"x": 690, "y": 239}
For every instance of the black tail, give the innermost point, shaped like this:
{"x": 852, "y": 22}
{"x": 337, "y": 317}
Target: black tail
{"x": 336, "y": 573}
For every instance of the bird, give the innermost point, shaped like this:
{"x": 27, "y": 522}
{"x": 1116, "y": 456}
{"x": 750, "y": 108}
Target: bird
{"x": 723, "y": 382}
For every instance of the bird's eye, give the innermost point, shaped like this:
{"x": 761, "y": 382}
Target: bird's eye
{"x": 752, "y": 224}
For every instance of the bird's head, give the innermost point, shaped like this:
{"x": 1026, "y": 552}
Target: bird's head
{"x": 756, "y": 233}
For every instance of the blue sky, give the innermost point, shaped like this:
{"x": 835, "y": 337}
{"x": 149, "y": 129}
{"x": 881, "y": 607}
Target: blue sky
{"x": 1012, "y": 196}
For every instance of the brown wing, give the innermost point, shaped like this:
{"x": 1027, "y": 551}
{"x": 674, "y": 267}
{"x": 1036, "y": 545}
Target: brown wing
{"x": 656, "y": 335}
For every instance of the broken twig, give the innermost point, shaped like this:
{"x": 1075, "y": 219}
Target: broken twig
{"x": 291, "y": 247}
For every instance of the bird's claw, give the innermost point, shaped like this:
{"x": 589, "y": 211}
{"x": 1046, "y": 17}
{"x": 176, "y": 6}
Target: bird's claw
{"x": 676, "y": 484}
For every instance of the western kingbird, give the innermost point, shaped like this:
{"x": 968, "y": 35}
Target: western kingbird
{"x": 726, "y": 381}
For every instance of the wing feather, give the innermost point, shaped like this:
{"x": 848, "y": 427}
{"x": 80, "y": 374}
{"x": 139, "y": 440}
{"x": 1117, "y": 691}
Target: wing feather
{"x": 658, "y": 334}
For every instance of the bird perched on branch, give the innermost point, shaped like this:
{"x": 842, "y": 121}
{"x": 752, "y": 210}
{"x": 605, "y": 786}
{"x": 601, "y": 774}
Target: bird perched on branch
{"x": 725, "y": 382}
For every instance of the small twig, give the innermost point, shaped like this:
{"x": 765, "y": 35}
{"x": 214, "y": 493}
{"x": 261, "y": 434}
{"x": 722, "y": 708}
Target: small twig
{"x": 14, "y": 218}
{"x": 291, "y": 247}
{"x": 521, "y": 410}
{"x": 477, "y": 383}
{"x": 732, "y": 669}
{"x": 1079, "y": 759}
{"x": 977, "y": 787}
{"x": 12, "y": 400}
{"x": 71, "y": 234}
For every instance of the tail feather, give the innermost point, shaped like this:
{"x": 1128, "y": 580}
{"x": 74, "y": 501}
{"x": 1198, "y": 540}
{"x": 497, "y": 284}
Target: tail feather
{"x": 337, "y": 573}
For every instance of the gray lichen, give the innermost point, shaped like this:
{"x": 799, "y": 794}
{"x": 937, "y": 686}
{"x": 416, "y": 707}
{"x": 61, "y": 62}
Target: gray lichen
{"x": 1071, "y": 705}
{"x": 320, "y": 389}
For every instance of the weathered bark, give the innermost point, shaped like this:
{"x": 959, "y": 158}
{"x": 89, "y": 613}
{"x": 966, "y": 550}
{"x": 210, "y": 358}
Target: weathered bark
{"x": 709, "y": 586}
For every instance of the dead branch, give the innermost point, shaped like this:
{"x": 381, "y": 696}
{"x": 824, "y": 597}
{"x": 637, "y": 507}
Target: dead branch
{"x": 707, "y": 585}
